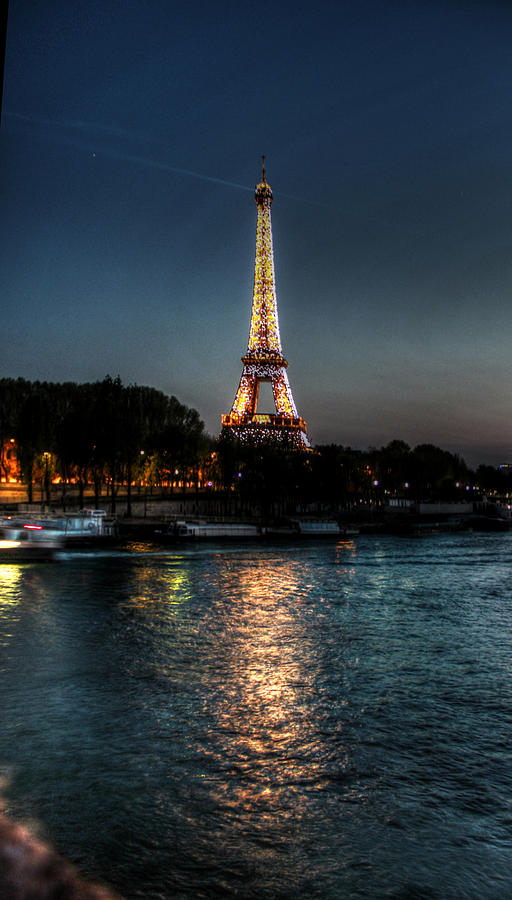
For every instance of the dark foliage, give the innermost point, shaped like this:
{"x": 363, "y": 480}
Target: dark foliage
{"x": 98, "y": 432}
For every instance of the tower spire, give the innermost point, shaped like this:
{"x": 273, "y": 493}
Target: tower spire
{"x": 264, "y": 360}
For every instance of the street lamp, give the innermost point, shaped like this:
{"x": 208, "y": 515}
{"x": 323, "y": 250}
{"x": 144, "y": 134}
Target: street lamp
{"x": 46, "y": 457}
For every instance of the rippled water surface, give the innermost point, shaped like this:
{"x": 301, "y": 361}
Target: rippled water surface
{"x": 325, "y": 720}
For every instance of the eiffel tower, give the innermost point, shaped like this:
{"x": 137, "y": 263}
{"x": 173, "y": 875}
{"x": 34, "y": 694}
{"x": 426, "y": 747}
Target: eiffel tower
{"x": 264, "y": 360}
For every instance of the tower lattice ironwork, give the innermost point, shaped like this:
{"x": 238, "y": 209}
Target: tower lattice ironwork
{"x": 264, "y": 360}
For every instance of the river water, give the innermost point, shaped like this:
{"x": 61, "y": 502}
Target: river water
{"x": 324, "y": 720}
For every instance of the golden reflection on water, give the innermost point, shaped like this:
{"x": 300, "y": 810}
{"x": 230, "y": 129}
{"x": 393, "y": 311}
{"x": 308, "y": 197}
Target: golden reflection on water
{"x": 263, "y": 711}
{"x": 345, "y": 547}
{"x": 10, "y": 581}
{"x": 150, "y": 585}
{"x": 344, "y": 554}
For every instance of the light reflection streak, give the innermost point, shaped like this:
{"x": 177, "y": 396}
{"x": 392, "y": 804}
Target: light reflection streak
{"x": 150, "y": 585}
{"x": 10, "y": 579}
{"x": 267, "y": 742}
{"x": 345, "y": 552}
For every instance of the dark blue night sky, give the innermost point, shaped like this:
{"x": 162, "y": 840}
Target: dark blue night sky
{"x": 131, "y": 140}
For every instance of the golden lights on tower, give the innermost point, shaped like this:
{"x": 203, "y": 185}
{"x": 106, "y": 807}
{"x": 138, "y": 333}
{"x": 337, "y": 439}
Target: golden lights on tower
{"x": 264, "y": 361}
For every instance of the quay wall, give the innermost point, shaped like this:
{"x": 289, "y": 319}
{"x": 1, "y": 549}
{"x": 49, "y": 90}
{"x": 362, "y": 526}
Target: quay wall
{"x": 214, "y": 505}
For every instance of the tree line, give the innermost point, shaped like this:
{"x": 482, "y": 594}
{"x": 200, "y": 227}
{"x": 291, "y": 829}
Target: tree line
{"x": 105, "y": 433}
{"x": 337, "y": 477}
{"x": 101, "y": 432}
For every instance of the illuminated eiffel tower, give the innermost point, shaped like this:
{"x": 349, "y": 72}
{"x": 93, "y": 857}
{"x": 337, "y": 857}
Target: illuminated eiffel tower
{"x": 264, "y": 360}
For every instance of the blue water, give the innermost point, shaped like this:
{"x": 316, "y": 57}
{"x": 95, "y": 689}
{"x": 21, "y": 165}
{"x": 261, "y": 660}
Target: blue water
{"x": 325, "y": 720}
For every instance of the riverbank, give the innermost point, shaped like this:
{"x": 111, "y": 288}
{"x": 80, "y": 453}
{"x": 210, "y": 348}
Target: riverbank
{"x": 142, "y": 514}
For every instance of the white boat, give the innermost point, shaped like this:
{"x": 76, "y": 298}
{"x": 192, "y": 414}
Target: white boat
{"x": 198, "y": 530}
{"x": 185, "y": 530}
{"x": 86, "y": 527}
{"x": 318, "y": 528}
{"x": 22, "y": 541}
